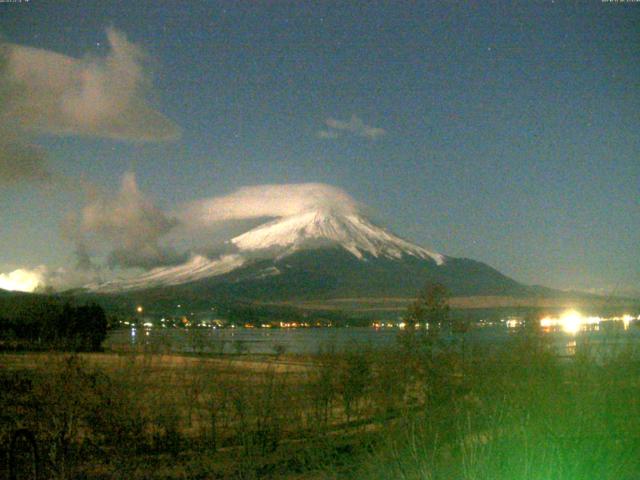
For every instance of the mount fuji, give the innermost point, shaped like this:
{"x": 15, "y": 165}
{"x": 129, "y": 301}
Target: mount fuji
{"x": 317, "y": 254}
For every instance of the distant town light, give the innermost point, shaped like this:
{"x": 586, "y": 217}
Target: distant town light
{"x": 571, "y": 322}
{"x": 139, "y": 309}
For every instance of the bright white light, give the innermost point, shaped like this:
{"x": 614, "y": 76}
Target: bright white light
{"x": 21, "y": 280}
{"x": 548, "y": 322}
{"x": 513, "y": 323}
{"x": 571, "y": 322}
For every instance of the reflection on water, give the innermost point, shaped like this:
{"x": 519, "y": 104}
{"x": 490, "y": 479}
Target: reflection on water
{"x": 254, "y": 340}
{"x": 567, "y": 337}
{"x": 571, "y": 347}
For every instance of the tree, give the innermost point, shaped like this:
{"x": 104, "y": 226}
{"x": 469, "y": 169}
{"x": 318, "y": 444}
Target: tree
{"x": 355, "y": 376}
{"x": 90, "y": 327}
{"x": 82, "y": 328}
{"x": 430, "y": 311}
{"x": 43, "y": 321}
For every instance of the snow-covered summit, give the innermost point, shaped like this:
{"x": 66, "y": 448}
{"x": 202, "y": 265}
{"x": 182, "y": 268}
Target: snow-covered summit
{"x": 277, "y": 239}
{"x": 317, "y": 228}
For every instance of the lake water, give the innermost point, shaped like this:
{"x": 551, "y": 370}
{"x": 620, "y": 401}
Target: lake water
{"x": 609, "y": 336}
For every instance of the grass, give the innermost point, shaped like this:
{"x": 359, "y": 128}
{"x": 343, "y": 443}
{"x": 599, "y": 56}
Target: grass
{"x": 525, "y": 416}
{"x": 513, "y": 412}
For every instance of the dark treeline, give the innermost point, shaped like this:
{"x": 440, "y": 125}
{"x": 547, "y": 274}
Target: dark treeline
{"x": 241, "y": 312}
{"x": 45, "y": 322}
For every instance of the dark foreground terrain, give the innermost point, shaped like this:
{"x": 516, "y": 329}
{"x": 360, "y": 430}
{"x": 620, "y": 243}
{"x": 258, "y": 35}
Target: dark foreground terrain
{"x": 411, "y": 411}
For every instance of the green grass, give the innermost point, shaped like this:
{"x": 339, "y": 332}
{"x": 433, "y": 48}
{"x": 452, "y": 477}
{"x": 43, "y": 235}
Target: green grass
{"x": 525, "y": 415}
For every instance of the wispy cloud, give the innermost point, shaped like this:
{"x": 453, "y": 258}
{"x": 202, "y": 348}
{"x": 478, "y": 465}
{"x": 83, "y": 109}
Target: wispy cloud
{"x": 20, "y": 160}
{"x": 129, "y": 224}
{"x": 354, "y": 126}
{"x": 328, "y": 134}
{"x": 47, "y": 92}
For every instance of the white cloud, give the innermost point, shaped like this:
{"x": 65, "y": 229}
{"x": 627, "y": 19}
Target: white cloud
{"x": 101, "y": 97}
{"x": 354, "y": 126}
{"x": 130, "y": 224}
{"x": 47, "y": 92}
{"x": 38, "y": 278}
{"x": 268, "y": 201}
{"x": 23, "y": 279}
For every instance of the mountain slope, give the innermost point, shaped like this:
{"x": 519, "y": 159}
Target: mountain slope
{"x": 317, "y": 254}
{"x": 335, "y": 273}
{"x": 196, "y": 268}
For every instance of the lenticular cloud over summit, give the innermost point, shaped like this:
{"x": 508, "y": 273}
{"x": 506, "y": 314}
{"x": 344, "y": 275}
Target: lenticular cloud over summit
{"x": 137, "y": 233}
{"x": 261, "y": 201}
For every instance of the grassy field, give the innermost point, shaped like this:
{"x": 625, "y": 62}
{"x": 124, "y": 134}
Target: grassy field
{"x": 409, "y": 412}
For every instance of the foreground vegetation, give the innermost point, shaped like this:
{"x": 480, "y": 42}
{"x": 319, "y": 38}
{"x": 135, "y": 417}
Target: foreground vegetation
{"x": 42, "y": 322}
{"x": 419, "y": 410}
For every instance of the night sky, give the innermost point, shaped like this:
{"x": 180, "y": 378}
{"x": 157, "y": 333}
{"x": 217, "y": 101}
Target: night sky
{"x": 509, "y": 134}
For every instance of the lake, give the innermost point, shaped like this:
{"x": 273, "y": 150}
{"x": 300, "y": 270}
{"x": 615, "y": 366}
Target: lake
{"x": 608, "y": 336}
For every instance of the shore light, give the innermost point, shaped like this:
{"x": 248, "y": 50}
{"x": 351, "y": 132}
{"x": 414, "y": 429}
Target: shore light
{"x": 571, "y": 322}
